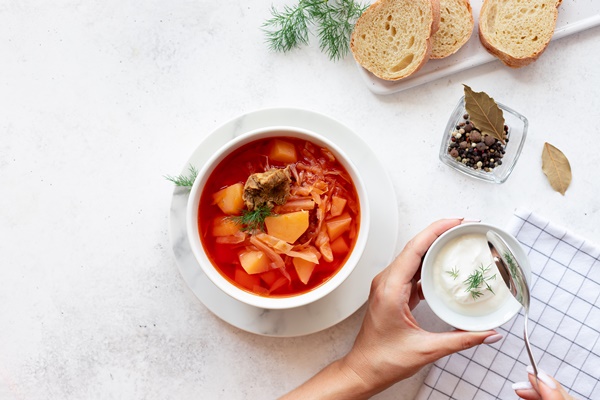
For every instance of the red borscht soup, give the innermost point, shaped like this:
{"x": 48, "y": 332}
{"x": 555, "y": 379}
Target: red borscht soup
{"x": 279, "y": 216}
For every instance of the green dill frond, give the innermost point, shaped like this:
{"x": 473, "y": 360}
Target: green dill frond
{"x": 453, "y": 272}
{"x": 511, "y": 264}
{"x": 184, "y": 180}
{"x": 332, "y": 35}
{"x": 334, "y": 21}
{"x": 487, "y": 285}
{"x": 288, "y": 29}
{"x": 476, "y": 280}
{"x": 254, "y": 220}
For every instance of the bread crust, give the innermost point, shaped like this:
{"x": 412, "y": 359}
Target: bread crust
{"x": 508, "y": 59}
{"x": 365, "y": 24}
{"x": 435, "y": 25}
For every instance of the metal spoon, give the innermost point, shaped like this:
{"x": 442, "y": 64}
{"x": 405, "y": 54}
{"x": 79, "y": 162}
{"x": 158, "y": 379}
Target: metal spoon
{"x": 514, "y": 278}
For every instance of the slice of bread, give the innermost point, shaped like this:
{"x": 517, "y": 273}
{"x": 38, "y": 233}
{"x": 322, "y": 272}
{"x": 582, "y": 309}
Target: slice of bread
{"x": 392, "y": 38}
{"x": 456, "y": 27}
{"x": 517, "y": 31}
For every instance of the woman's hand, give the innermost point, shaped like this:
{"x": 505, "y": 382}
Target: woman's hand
{"x": 390, "y": 345}
{"x": 545, "y": 388}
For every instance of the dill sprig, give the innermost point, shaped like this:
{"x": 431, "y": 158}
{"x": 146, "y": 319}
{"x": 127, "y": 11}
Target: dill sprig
{"x": 252, "y": 220}
{"x": 184, "y": 180}
{"x": 476, "y": 280}
{"x": 336, "y": 25}
{"x": 517, "y": 277}
{"x": 453, "y": 272}
{"x": 334, "y": 21}
{"x": 288, "y": 29}
{"x": 511, "y": 264}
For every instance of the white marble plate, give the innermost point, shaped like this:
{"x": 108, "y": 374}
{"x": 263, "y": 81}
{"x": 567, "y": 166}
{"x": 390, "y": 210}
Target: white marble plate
{"x": 351, "y": 294}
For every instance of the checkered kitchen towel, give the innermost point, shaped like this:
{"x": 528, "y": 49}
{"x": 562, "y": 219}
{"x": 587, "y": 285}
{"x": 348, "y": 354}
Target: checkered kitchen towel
{"x": 564, "y": 324}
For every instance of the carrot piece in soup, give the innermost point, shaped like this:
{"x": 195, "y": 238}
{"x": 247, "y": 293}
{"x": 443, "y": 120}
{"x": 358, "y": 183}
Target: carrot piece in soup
{"x": 283, "y": 151}
{"x": 337, "y": 205}
{"x": 223, "y": 226}
{"x": 338, "y": 225}
{"x": 304, "y": 269}
{"x": 245, "y": 280}
{"x": 339, "y": 246}
{"x": 287, "y": 227}
{"x": 254, "y": 262}
{"x": 230, "y": 199}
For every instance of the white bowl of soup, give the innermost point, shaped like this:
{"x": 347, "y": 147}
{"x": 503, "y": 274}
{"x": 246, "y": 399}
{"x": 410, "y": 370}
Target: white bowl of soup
{"x": 278, "y": 218}
{"x": 461, "y": 282}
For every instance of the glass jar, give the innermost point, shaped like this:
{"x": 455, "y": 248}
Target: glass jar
{"x": 517, "y": 131}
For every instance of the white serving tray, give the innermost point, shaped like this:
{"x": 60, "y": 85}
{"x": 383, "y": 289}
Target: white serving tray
{"x": 573, "y": 16}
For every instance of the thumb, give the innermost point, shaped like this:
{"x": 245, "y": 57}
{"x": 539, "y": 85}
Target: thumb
{"x": 447, "y": 343}
{"x": 548, "y": 387}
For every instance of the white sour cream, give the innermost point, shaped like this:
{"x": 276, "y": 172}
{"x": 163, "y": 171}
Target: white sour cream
{"x": 457, "y": 260}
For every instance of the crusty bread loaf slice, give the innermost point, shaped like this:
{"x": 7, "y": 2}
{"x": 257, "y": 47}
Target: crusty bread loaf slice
{"x": 456, "y": 27}
{"x": 517, "y": 31}
{"x": 392, "y": 38}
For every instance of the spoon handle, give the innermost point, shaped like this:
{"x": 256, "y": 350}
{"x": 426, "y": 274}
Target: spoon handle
{"x": 528, "y": 347}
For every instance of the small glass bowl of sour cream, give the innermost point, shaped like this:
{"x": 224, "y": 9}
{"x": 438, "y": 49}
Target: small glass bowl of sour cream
{"x": 461, "y": 282}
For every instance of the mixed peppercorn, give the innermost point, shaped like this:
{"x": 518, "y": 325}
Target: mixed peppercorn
{"x": 474, "y": 149}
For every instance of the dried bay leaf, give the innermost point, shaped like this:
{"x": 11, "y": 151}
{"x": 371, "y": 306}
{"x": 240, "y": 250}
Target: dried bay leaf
{"x": 556, "y": 167}
{"x": 484, "y": 113}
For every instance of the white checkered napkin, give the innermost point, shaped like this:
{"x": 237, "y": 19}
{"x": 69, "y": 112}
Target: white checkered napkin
{"x": 564, "y": 324}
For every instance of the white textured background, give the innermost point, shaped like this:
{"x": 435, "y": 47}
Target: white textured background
{"x": 100, "y": 99}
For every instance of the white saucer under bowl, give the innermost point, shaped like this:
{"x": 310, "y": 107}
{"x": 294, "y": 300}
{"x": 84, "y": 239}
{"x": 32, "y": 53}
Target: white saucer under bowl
{"x": 350, "y": 295}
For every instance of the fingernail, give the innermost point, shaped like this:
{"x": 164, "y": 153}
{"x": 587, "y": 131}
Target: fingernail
{"x": 522, "y": 386}
{"x": 493, "y": 339}
{"x": 529, "y": 370}
{"x": 545, "y": 378}
{"x": 542, "y": 376}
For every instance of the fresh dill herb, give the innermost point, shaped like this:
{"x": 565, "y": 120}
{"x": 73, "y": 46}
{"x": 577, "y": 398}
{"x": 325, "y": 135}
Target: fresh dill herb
{"x": 476, "y": 280}
{"x": 511, "y": 264}
{"x": 184, "y": 180}
{"x": 515, "y": 274}
{"x": 288, "y": 29}
{"x": 333, "y": 19}
{"x": 252, "y": 220}
{"x": 453, "y": 272}
{"x": 336, "y": 27}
